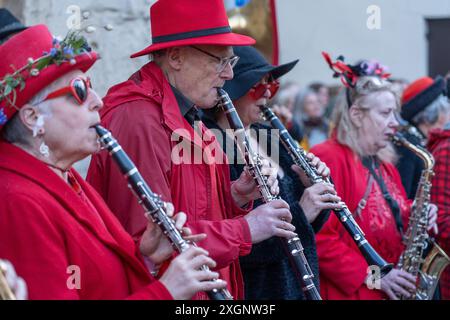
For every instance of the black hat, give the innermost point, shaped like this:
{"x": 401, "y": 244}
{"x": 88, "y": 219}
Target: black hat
{"x": 9, "y": 24}
{"x": 250, "y": 69}
{"x": 420, "y": 94}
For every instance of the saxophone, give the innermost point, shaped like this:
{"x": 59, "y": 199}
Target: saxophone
{"x": 422, "y": 257}
{"x": 5, "y": 291}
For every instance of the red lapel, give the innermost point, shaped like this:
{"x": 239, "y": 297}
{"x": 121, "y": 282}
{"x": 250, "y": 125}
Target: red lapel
{"x": 115, "y": 237}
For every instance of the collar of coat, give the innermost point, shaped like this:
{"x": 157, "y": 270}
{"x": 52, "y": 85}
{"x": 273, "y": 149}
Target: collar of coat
{"x": 21, "y": 163}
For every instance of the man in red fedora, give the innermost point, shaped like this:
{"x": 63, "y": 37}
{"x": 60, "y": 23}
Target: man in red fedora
{"x": 424, "y": 107}
{"x": 157, "y": 108}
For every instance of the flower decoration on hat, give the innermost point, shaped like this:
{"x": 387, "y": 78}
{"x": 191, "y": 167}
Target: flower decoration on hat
{"x": 350, "y": 74}
{"x": 3, "y": 117}
{"x": 66, "y": 50}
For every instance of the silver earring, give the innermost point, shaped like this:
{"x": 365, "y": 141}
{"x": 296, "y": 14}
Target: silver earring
{"x": 44, "y": 150}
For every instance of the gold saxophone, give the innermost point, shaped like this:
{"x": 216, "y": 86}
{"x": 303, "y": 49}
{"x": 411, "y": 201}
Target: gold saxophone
{"x": 422, "y": 256}
{"x": 5, "y": 291}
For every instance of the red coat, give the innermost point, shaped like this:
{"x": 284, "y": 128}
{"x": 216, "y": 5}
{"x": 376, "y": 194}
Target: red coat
{"x": 46, "y": 228}
{"x": 439, "y": 146}
{"x": 142, "y": 114}
{"x": 342, "y": 267}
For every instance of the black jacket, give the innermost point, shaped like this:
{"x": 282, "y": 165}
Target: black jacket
{"x": 409, "y": 165}
{"x": 268, "y": 274}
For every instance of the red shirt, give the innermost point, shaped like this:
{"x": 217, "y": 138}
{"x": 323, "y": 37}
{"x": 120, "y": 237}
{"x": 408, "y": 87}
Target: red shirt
{"x": 342, "y": 267}
{"x": 439, "y": 146}
{"x": 49, "y": 231}
{"x": 143, "y": 115}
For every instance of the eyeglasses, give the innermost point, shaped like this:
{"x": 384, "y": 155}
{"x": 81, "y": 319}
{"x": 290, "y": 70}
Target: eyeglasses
{"x": 258, "y": 90}
{"x": 78, "y": 88}
{"x": 223, "y": 62}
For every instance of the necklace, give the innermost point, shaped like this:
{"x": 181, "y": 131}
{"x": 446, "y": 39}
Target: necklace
{"x": 56, "y": 167}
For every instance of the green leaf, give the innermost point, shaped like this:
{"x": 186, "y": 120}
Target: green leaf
{"x": 8, "y": 90}
{"x": 43, "y": 63}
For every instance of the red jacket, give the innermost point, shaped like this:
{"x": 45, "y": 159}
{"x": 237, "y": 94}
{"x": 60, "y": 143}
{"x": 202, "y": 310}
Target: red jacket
{"x": 342, "y": 267}
{"x": 47, "y": 231}
{"x": 143, "y": 115}
{"x": 439, "y": 146}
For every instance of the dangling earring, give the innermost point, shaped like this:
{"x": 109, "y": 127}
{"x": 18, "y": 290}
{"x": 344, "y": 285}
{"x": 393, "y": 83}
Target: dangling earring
{"x": 44, "y": 150}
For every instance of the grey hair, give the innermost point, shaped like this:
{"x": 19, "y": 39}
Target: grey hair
{"x": 431, "y": 113}
{"x": 345, "y": 129}
{"x": 158, "y": 56}
{"x": 299, "y": 112}
{"x": 15, "y": 131}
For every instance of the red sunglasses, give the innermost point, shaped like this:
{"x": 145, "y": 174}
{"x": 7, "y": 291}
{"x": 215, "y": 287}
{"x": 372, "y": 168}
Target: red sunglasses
{"x": 78, "y": 88}
{"x": 258, "y": 90}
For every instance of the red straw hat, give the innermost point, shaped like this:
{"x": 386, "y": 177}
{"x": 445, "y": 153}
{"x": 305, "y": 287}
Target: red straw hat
{"x": 189, "y": 22}
{"x": 33, "y": 59}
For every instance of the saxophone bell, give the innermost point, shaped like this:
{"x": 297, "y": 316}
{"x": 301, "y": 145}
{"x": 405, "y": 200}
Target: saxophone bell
{"x": 422, "y": 256}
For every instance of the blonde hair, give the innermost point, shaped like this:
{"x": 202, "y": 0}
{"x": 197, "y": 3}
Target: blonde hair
{"x": 344, "y": 128}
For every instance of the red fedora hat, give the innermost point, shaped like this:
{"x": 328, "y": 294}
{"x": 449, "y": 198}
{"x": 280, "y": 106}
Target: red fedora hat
{"x": 33, "y": 59}
{"x": 188, "y": 22}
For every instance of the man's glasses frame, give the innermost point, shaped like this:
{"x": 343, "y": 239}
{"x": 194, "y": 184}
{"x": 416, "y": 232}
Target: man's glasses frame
{"x": 223, "y": 62}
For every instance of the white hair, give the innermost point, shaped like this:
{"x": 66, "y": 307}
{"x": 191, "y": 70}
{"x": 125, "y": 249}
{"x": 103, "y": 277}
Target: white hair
{"x": 431, "y": 113}
{"x": 15, "y": 131}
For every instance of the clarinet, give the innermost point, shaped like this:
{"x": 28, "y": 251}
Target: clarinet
{"x": 155, "y": 208}
{"x": 254, "y": 163}
{"x": 344, "y": 215}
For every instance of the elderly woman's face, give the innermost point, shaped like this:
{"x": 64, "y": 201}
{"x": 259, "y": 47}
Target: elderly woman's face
{"x": 69, "y": 131}
{"x": 377, "y": 122}
{"x": 248, "y": 108}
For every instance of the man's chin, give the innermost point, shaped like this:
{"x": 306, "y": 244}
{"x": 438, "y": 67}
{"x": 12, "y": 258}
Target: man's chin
{"x": 211, "y": 103}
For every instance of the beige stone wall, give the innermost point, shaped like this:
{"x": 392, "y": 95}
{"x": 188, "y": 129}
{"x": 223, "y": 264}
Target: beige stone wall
{"x": 340, "y": 27}
{"x": 130, "y": 19}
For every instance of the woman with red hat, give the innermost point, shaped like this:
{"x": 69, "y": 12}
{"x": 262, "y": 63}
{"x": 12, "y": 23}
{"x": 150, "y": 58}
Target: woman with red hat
{"x": 360, "y": 157}
{"x": 424, "y": 108}
{"x": 155, "y": 117}
{"x": 55, "y": 229}
{"x": 268, "y": 273}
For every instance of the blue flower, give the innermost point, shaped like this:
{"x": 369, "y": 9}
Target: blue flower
{"x": 3, "y": 117}
{"x": 242, "y": 3}
{"x": 53, "y": 52}
{"x": 68, "y": 52}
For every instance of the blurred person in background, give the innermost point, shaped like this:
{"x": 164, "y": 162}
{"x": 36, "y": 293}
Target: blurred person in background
{"x": 283, "y": 106}
{"x": 424, "y": 107}
{"x": 309, "y": 113}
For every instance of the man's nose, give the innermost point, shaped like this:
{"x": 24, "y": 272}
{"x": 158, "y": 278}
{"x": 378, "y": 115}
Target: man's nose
{"x": 228, "y": 72}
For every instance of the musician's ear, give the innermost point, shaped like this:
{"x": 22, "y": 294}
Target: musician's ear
{"x": 356, "y": 115}
{"x": 175, "y": 57}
